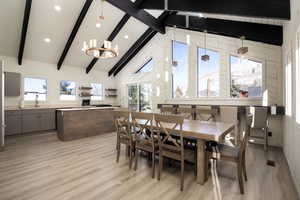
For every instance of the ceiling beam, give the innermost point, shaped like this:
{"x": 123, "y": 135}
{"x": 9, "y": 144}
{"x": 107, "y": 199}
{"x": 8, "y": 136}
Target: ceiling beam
{"x": 269, "y": 34}
{"x": 274, "y": 9}
{"x": 134, "y": 11}
{"x": 137, "y": 46}
{"x": 24, "y": 30}
{"x": 113, "y": 34}
{"x": 73, "y": 34}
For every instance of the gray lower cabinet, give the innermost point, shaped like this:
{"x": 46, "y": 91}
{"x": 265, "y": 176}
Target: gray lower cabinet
{"x": 13, "y": 121}
{"x": 27, "y": 121}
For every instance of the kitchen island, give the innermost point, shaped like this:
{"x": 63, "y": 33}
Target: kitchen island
{"x": 76, "y": 123}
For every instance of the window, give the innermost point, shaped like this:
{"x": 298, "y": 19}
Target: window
{"x": 246, "y": 78}
{"x": 179, "y": 69}
{"x": 97, "y": 91}
{"x": 139, "y": 97}
{"x": 35, "y": 87}
{"x": 67, "y": 90}
{"x": 208, "y": 74}
{"x": 147, "y": 67}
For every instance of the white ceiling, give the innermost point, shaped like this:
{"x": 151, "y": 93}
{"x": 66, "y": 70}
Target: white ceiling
{"x": 45, "y": 22}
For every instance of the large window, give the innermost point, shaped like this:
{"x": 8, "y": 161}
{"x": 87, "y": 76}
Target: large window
{"x": 180, "y": 69}
{"x": 139, "y": 97}
{"x": 147, "y": 67}
{"x": 35, "y": 88}
{"x": 208, "y": 74}
{"x": 67, "y": 90}
{"x": 246, "y": 78}
{"x": 97, "y": 91}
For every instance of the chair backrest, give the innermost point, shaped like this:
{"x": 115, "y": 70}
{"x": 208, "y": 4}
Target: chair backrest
{"x": 186, "y": 112}
{"x": 244, "y": 140}
{"x": 122, "y": 123}
{"x": 229, "y": 114}
{"x": 166, "y": 126}
{"x": 167, "y": 110}
{"x": 259, "y": 117}
{"x": 142, "y": 125}
{"x": 206, "y": 113}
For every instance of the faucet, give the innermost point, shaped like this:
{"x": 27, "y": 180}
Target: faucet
{"x": 36, "y": 101}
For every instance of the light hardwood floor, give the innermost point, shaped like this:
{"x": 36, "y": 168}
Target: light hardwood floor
{"x": 40, "y": 167}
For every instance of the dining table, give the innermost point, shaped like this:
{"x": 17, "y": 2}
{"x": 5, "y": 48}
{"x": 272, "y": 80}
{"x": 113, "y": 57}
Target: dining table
{"x": 201, "y": 131}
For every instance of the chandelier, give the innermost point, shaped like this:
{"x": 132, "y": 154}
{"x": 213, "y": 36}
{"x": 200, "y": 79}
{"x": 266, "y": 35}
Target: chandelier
{"x": 103, "y": 52}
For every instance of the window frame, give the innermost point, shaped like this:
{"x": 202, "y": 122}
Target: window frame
{"x": 102, "y": 97}
{"x": 197, "y": 76}
{"x": 35, "y": 78}
{"x": 69, "y": 95}
{"x": 297, "y": 78}
{"x": 263, "y": 76}
{"x": 138, "y": 71}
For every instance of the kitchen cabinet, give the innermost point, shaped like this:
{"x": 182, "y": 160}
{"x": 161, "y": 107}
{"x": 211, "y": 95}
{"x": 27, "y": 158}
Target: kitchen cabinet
{"x": 12, "y": 84}
{"x": 13, "y": 122}
{"x": 38, "y": 120}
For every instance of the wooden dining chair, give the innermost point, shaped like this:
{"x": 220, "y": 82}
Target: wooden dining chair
{"x": 260, "y": 122}
{"x": 237, "y": 155}
{"x": 186, "y": 112}
{"x": 167, "y": 110}
{"x": 206, "y": 113}
{"x": 169, "y": 146}
{"x": 229, "y": 114}
{"x": 124, "y": 134}
{"x": 145, "y": 140}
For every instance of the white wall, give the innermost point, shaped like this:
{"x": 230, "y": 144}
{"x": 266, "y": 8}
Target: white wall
{"x": 159, "y": 48}
{"x": 291, "y": 126}
{"x": 36, "y": 69}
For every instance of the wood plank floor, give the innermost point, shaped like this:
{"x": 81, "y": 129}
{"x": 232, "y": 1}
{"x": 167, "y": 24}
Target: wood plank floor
{"x": 40, "y": 167}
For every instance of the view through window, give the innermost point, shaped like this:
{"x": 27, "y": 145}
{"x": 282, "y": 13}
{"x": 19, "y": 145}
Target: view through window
{"x": 139, "y": 97}
{"x": 97, "y": 91}
{"x": 35, "y": 88}
{"x": 179, "y": 69}
{"x": 208, "y": 74}
{"x": 147, "y": 67}
{"x": 246, "y": 78}
{"x": 67, "y": 90}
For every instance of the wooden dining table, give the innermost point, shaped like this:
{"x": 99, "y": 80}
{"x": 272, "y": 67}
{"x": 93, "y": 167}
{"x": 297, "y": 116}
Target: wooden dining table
{"x": 202, "y": 131}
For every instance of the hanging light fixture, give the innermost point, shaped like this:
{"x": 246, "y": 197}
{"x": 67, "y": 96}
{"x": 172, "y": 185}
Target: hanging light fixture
{"x": 174, "y": 62}
{"x": 242, "y": 50}
{"x": 102, "y": 10}
{"x": 205, "y": 57}
{"x": 104, "y": 52}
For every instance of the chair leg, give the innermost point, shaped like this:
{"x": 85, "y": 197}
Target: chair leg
{"x": 182, "y": 175}
{"x": 266, "y": 139}
{"x": 136, "y": 159}
{"x": 240, "y": 177}
{"x": 153, "y": 164}
{"x": 118, "y": 151}
{"x": 160, "y": 166}
{"x": 244, "y": 169}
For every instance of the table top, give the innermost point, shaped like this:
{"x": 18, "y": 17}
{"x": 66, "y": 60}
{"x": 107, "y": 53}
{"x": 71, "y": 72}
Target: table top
{"x": 201, "y": 129}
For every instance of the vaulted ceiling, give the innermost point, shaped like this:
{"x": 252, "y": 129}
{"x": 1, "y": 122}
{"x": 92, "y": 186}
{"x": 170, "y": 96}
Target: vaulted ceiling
{"x": 45, "y": 22}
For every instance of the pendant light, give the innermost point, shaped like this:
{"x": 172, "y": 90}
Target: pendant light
{"x": 174, "y": 62}
{"x": 102, "y": 10}
{"x": 205, "y": 57}
{"x": 242, "y": 50}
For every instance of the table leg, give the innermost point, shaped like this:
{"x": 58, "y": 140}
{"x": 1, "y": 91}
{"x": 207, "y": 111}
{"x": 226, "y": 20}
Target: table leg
{"x": 201, "y": 162}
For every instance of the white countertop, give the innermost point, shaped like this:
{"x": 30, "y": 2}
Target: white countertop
{"x": 86, "y": 108}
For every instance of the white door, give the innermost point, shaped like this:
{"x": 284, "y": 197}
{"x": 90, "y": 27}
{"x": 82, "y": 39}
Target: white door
{"x": 2, "y": 121}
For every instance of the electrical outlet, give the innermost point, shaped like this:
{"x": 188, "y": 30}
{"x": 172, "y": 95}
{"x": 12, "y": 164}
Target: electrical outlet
{"x": 270, "y": 134}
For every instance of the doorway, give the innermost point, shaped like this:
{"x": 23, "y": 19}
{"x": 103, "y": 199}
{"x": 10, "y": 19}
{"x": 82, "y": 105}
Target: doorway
{"x": 139, "y": 97}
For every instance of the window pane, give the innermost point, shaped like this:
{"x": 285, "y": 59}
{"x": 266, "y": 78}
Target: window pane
{"x": 97, "y": 91}
{"x": 34, "y": 87}
{"x": 146, "y": 67}
{"x": 145, "y": 98}
{"x": 133, "y": 97}
{"x": 67, "y": 90}
{"x": 180, "y": 69}
{"x": 208, "y": 74}
{"x": 246, "y": 78}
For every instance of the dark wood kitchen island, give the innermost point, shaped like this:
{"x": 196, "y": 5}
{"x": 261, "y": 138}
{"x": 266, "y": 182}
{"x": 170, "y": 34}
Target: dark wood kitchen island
{"x": 76, "y": 123}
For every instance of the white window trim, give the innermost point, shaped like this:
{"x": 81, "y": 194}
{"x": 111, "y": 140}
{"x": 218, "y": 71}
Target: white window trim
{"x": 59, "y": 95}
{"x": 23, "y": 89}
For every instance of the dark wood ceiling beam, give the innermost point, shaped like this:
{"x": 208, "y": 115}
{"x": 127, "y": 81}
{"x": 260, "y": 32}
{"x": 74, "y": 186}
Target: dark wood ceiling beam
{"x": 137, "y": 46}
{"x": 274, "y": 9}
{"x": 24, "y": 30}
{"x": 73, "y": 34}
{"x": 134, "y": 11}
{"x": 269, "y": 34}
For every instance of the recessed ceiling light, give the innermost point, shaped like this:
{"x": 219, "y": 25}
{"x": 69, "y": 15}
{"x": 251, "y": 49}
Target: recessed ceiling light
{"x": 57, "y": 8}
{"x": 126, "y": 37}
{"x": 98, "y": 25}
{"x": 47, "y": 40}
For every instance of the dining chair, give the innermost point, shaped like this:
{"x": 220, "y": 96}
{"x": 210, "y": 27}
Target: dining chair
{"x": 167, "y": 110}
{"x": 229, "y": 114}
{"x": 235, "y": 154}
{"x": 124, "y": 134}
{"x": 145, "y": 139}
{"x": 260, "y": 122}
{"x": 169, "y": 146}
{"x": 186, "y": 112}
{"x": 206, "y": 113}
